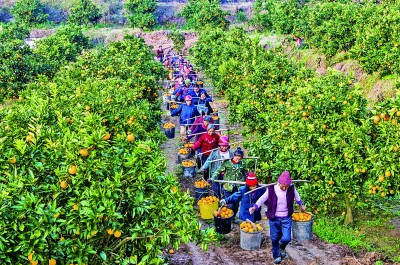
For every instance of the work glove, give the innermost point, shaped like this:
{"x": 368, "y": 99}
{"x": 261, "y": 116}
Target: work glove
{"x": 200, "y": 171}
{"x": 222, "y": 202}
{"x": 189, "y": 131}
{"x": 252, "y": 210}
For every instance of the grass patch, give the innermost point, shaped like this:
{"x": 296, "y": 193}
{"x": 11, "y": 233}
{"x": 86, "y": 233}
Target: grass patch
{"x": 377, "y": 229}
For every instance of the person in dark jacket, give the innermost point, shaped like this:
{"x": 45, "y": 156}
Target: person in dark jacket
{"x": 246, "y": 201}
{"x": 187, "y": 113}
{"x": 195, "y": 93}
{"x": 279, "y": 212}
{"x": 200, "y": 128}
{"x": 203, "y": 104}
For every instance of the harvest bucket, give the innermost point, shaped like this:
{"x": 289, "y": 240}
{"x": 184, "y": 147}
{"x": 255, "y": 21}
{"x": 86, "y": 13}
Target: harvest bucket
{"x": 167, "y": 97}
{"x": 181, "y": 156}
{"x": 302, "y": 230}
{"x": 222, "y": 225}
{"x": 189, "y": 170}
{"x": 250, "y": 241}
{"x": 207, "y": 210}
{"x": 200, "y": 193}
{"x": 170, "y": 133}
{"x": 215, "y": 118}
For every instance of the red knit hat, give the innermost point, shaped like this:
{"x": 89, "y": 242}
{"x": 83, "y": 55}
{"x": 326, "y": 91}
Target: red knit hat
{"x": 251, "y": 179}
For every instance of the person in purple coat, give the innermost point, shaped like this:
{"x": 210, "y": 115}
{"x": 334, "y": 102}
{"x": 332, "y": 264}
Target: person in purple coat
{"x": 280, "y": 199}
{"x": 200, "y": 128}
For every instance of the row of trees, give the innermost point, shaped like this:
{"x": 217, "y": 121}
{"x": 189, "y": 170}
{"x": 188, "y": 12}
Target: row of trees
{"x": 197, "y": 13}
{"x": 83, "y": 12}
{"x": 368, "y": 30}
{"x": 318, "y": 128}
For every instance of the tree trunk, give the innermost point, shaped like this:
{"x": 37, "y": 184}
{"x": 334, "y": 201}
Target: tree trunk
{"x": 349, "y": 214}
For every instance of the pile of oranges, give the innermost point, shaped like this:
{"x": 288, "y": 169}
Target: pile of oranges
{"x": 188, "y": 163}
{"x": 250, "y": 228}
{"x": 201, "y": 184}
{"x": 302, "y": 217}
{"x": 169, "y": 125}
{"x": 208, "y": 200}
{"x": 183, "y": 151}
{"x": 215, "y": 117}
{"x": 224, "y": 213}
{"x": 173, "y": 106}
{"x": 188, "y": 145}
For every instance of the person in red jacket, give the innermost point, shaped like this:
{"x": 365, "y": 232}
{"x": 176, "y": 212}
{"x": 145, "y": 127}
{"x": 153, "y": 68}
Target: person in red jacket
{"x": 207, "y": 143}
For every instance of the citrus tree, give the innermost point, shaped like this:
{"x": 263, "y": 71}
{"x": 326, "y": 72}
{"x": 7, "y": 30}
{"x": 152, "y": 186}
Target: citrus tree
{"x": 84, "y": 12}
{"x": 64, "y": 46}
{"x": 29, "y": 12}
{"x": 200, "y": 14}
{"x": 141, "y": 13}
{"x": 83, "y": 170}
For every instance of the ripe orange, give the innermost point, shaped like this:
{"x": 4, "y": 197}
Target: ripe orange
{"x": 35, "y": 262}
{"x": 75, "y": 207}
{"x": 171, "y": 251}
{"x": 110, "y": 231}
{"x": 84, "y": 152}
{"x": 87, "y": 108}
{"x": 30, "y": 256}
{"x": 106, "y": 137}
{"x": 117, "y": 234}
{"x": 63, "y": 184}
{"x": 130, "y": 137}
{"x": 29, "y": 138}
{"x": 12, "y": 160}
{"x": 72, "y": 170}
{"x": 387, "y": 174}
{"x": 52, "y": 262}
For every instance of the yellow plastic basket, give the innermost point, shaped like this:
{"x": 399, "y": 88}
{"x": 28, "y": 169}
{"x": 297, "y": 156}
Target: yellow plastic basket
{"x": 207, "y": 210}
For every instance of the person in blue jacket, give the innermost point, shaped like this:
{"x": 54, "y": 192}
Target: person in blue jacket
{"x": 203, "y": 105}
{"x": 196, "y": 92}
{"x": 187, "y": 113}
{"x": 248, "y": 200}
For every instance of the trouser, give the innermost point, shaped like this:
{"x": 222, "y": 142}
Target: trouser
{"x": 280, "y": 233}
{"x": 234, "y": 206}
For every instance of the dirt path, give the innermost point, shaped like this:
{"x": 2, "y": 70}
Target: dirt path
{"x": 228, "y": 251}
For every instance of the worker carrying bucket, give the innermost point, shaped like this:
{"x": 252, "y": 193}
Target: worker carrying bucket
{"x": 247, "y": 200}
{"x": 280, "y": 197}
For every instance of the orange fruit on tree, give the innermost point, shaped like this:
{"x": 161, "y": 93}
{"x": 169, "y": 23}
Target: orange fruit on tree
{"x": 72, "y": 170}
{"x": 63, "y": 184}
{"x": 387, "y": 174}
{"x": 84, "y": 152}
{"x": 29, "y": 138}
{"x": 130, "y": 138}
{"x": 171, "y": 251}
{"x": 34, "y": 262}
{"x": 117, "y": 234}
{"x": 110, "y": 231}
{"x": 30, "y": 256}
{"x": 52, "y": 262}
{"x": 106, "y": 137}
{"x": 12, "y": 160}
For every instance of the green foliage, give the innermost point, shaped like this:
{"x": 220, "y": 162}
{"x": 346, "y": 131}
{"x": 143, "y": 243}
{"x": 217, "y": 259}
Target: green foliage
{"x": 29, "y": 12}
{"x": 84, "y": 12}
{"x": 13, "y": 31}
{"x": 117, "y": 186}
{"x": 200, "y": 14}
{"x": 140, "y": 13}
{"x": 377, "y": 38}
{"x": 240, "y": 16}
{"x": 340, "y": 234}
{"x": 64, "y": 46}
{"x": 178, "y": 39}
{"x": 19, "y": 66}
